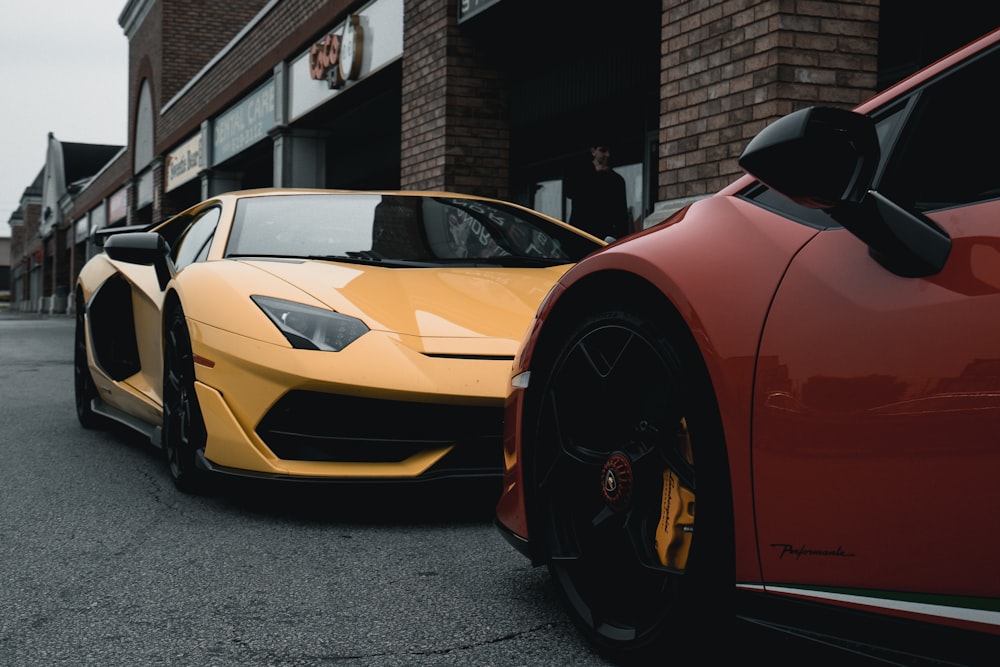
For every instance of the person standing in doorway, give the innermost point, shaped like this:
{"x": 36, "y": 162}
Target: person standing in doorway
{"x": 600, "y": 205}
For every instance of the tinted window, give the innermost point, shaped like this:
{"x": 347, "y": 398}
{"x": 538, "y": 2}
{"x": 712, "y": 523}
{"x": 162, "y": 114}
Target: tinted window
{"x": 948, "y": 152}
{"x": 193, "y": 244}
{"x": 767, "y": 198}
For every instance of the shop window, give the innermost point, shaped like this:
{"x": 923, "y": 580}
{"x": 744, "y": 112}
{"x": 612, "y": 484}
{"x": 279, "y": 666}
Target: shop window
{"x": 548, "y": 198}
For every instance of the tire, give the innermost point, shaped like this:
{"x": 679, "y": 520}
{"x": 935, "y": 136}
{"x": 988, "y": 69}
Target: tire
{"x": 84, "y": 389}
{"x": 624, "y": 417}
{"x": 184, "y": 431}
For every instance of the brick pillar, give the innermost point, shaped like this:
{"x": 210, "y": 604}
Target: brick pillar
{"x": 161, "y": 203}
{"x": 131, "y": 194}
{"x": 730, "y": 68}
{"x": 455, "y": 128}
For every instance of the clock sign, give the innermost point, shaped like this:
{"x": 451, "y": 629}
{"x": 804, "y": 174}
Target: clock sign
{"x": 350, "y": 49}
{"x": 336, "y": 58}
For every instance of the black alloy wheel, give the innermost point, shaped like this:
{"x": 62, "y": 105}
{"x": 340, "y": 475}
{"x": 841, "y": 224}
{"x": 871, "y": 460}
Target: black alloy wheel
{"x": 84, "y": 389}
{"x": 183, "y": 428}
{"x": 619, "y": 414}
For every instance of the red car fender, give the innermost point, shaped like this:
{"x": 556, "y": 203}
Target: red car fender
{"x": 726, "y": 255}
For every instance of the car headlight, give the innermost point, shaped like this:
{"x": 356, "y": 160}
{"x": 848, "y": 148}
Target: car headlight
{"x": 309, "y": 328}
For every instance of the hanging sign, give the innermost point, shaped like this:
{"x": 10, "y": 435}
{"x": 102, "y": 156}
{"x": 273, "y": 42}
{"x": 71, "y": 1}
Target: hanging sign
{"x": 336, "y": 58}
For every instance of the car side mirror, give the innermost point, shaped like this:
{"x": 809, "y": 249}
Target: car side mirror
{"x": 143, "y": 248}
{"x": 817, "y": 157}
{"x": 825, "y": 158}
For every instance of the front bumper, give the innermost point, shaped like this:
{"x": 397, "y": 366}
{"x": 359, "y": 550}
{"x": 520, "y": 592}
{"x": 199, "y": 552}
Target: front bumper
{"x": 383, "y": 411}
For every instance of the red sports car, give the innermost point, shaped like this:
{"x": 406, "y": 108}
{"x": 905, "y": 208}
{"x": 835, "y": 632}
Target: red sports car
{"x": 813, "y": 354}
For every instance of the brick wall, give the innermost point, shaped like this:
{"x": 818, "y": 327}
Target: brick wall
{"x": 194, "y": 31}
{"x": 104, "y": 185}
{"x": 288, "y": 27}
{"x": 455, "y": 132}
{"x": 729, "y": 68}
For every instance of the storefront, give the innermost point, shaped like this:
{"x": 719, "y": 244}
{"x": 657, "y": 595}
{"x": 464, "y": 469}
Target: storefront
{"x": 330, "y": 115}
{"x": 492, "y": 97}
{"x": 320, "y": 120}
{"x": 578, "y": 76}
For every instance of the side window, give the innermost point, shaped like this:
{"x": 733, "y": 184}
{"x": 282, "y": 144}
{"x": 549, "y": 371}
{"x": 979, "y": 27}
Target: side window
{"x": 767, "y": 198}
{"x": 949, "y": 152}
{"x": 887, "y": 126}
{"x": 194, "y": 242}
{"x": 173, "y": 228}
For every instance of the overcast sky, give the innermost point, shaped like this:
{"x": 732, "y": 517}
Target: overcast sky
{"x": 64, "y": 69}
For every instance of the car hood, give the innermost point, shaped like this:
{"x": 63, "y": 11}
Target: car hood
{"x": 453, "y": 303}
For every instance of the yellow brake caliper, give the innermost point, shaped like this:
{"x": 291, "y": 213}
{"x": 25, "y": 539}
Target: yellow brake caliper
{"x": 676, "y": 526}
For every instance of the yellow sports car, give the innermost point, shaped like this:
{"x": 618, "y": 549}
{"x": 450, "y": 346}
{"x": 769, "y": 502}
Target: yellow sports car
{"x": 316, "y": 334}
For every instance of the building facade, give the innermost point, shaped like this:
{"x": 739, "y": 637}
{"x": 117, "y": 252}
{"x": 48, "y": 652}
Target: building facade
{"x": 492, "y": 97}
{"x": 4, "y": 271}
{"x": 42, "y": 244}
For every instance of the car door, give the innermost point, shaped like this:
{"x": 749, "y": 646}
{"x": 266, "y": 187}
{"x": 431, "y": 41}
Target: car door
{"x": 877, "y": 399}
{"x": 189, "y": 237}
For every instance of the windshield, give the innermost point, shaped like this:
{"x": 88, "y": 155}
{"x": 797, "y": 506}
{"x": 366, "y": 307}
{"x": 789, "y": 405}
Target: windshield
{"x": 408, "y": 229}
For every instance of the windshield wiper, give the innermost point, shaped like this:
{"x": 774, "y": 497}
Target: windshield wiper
{"x": 370, "y": 258}
{"x": 509, "y": 261}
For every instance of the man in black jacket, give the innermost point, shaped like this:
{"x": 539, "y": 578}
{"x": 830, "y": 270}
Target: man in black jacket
{"x": 600, "y": 205}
